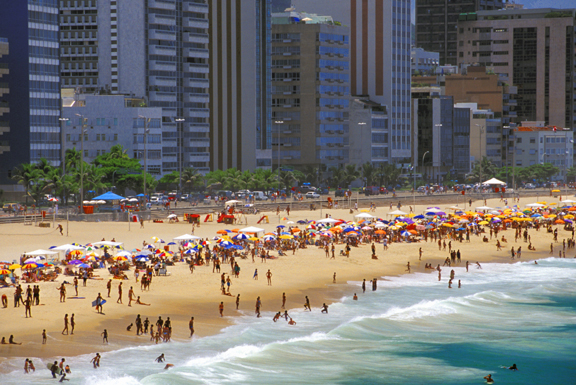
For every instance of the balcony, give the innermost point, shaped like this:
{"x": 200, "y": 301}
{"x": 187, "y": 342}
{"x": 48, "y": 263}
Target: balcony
{"x": 162, "y": 50}
{"x": 198, "y": 8}
{"x": 155, "y": 34}
{"x": 162, "y": 4}
{"x": 198, "y": 83}
{"x": 159, "y": 81}
{"x": 192, "y": 22}
{"x": 190, "y": 37}
{"x": 162, "y": 20}
{"x": 156, "y": 65}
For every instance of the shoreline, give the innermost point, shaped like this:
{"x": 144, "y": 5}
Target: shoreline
{"x": 309, "y": 271}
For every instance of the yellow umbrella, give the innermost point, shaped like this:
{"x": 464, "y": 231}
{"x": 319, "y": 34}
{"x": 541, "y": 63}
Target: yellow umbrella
{"x": 120, "y": 258}
{"x": 363, "y": 211}
{"x": 553, "y": 203}
{"x": 286, "y": 236}
{"x": 483, "y": 223}
{"x": 543, "y": 203}
{"x": 446, "y": 225}
{"x": 569, "y": 216}
{"x": 14, "y": 266}
{"x": 253, "y": 238}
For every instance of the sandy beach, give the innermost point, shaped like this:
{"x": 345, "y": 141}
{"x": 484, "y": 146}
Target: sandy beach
{"x": 181, "y": 295}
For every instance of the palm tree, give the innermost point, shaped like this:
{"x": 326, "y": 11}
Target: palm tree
{"x": 368, "y": 173}
{"x": 118, "y": 152}
{"x": 191, "y": 177}
{"x": 26, "y": 175}
{"x": 338, "y": 177}
{"x": 286, "y": 179}
{"x": 43, "y": 166}
{"x": 72, "y": 158}
{"x": 351, "y": 173}
{"x": 93, "y": 178}
{"x": 388, "y": 174}
{"x": 55, "y": 181}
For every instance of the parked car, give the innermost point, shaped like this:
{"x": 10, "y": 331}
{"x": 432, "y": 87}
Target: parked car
{"x": 312, "y": 195}
{"x": 184, "y": 197}
{"x": 529, "y": 186}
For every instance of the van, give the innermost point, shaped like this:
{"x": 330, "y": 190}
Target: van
{"x": 259, "y": 196}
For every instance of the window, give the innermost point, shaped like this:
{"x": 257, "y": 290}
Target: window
{"x": 278, "y": 37}
{"x": 67, "y": 137}
{"x": 518, "y": 140}
{"x": 115, "y": 121}
{"x": 288, "y": 76}
{"x": 532, "y": 140}
{"x": 115, "y": 137}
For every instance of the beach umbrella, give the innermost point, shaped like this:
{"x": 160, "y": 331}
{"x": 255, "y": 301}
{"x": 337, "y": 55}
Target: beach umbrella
{"x": 84, "y": 265}
{"x": 5, "y": 272}
{"x": 75, "y": 262}
{"x": 142, "y": 259}
{"x": 286, "y": 236}
{"x": 29, "y": 266}
{"x": 172, "y": 216}
{"x": 149, "y": 247}
{"x": 120, "y": 258}
{"x": 380, "y": 232}
{"x": 483, "y": 222}
{"x": 222, "y": 231}
{"x": 14, "y": 266}
{"x": 405, "y": 233}
{"x": 420, "y": 227}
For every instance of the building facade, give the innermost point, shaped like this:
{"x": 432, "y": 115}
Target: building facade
{"x": 110, "y": 120}
{"x": 32, "y": 107}
{"x": 422, "y": 62}
{"x": 240, "y": 84}
{"x": 436, "y": 23}
{"x": 155, "y": 50}
{"x": 441, "y": 137}
{"x": 310, "y": 91}
{"x": 4, "y": 90}
{"x": 544, "y": 144}
{"x": 534, "y": 49}
{"x": 368, "y": 132}
{"x": 379, "y": 59}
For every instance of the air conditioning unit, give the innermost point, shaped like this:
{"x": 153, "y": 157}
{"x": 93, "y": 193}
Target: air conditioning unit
{"x": 330, "y": 54}
{"x": 329, "y": 131}
{"x": 330, "y": 144}
{"x": 330, "y": 67}
{"x": 340, "y": 132}
{"x": 287, "y": 106}
{"x": 287, "y": 144}
{"x": 330, "y": 41}
{"x": 287, "y": 54}
{"x": 340, "y": 55}
{"x": 287, "y": 67}
{"x": 330, "y": 80}
{"x": 340, "y": 144}
{"x": 330, "y": 119}
{"x": 287, "y": 41}
{"x": 287, "y": 80}
{"x": 331, "y": 106}
{"x": 330, "y": 157}
{"x": 340, "y": 81}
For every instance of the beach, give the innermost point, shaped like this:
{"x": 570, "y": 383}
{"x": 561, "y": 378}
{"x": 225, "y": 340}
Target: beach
{"x": 182, "y": 295}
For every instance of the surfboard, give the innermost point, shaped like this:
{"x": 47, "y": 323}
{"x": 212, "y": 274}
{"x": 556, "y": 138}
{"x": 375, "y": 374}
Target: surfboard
{"x": 58, "y": 370}
{"x": 94, "y": 303}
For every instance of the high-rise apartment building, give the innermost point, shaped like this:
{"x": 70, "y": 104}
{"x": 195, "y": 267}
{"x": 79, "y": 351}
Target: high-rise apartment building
{"x": 310, "y": 90}
{"x": 153, "y": 49}
{"x": 4, "y": 90}
{"x": 533, "y": 49}
{"x": 240, "y": 83}
{"x": 436, "y": 23}
{"x": 32, "y": 106}
{"x": 379, "y": 60}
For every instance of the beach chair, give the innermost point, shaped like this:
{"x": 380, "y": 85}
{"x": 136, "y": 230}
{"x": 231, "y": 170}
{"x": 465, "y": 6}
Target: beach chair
{"x": 162, "y": 272}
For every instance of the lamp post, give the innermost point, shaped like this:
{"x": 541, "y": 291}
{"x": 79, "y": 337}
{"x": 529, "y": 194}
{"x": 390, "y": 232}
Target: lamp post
{"x": 83, "y": 120}
{"x": 146, "y": 130}
{"x": 278, "y": 151}
{"x": 480, "y": 144}
{"x": 180, "y": 145}
{"x": 63, "y": 153}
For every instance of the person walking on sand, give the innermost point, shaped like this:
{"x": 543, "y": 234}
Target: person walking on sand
{"x": 28, "y": 307}
{"x": 76, "y": 285}
{"x": 283, "y": 301}
{"x": 269, "y": 277}
{"x": 61, "y": 229}
{"x": 65, "y": 324}
{"x": 44, "y": 337}
{"x": 255, "y": 276}
{"x": 408, "y": 267}
{"x": 72, "y": 324}
{"x": 130, "y": 296}
{"x": 119, "y": 293}
{"x": 221, "y": 309}
{"x": 258, "y": 305}
{"x": 62, "y": 289}
{"x": 104, "y": 335}
{"x": 109, "y": 287}
{"x": 237, "y": 301}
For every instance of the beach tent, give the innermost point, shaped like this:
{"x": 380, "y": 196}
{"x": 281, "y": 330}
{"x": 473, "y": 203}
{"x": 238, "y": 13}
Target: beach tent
{"x": 67, "y": 247}
{"x": 232, "y": 202}
{"x": 484, "y": 208}
{"x": 108, "y": 243}
{"x": 568, "y": 201}
{"x": 494, "y": 181}
{"x": 328, "y": 220}
{"x": 397, "y": 212}
{"x": 109, "y": 196}
{"x": 187, "y": 237}
{"x": 251, "y": 229}
{"x": 40, "y": 252}
{"x": 537, "y": 205}
{"x": 364, "y": 215}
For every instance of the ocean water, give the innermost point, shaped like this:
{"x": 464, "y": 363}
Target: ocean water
{"x": 412, "y": 330}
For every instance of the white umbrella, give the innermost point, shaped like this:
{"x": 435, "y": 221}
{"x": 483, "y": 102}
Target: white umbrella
{"x": 93, "y": 202}
{"x": 252, "y": 229}
{"x": 364, "y": 215}
{"x": 568, "y": 201}
{"x": 535, "y": 205}
{"x": 172, "y": 216}
{"x": 397, "y": 212}
{"x": 380, "y": 225}
{"x": 86, "y": 202}
{"x": 187, "y": 237}
{"x": 133, "y": 200}
{"x": 232, "y": 202}
{"x": 101, "y": 202}
{"x": 124, "y": 253}
{"x": 484, "y": 208}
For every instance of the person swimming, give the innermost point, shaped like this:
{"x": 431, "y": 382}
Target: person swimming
{"x": 513, "y": 367}
{"x": 489, "y": 379}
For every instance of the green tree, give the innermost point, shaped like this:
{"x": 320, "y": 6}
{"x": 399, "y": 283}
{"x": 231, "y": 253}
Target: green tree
{"x": 487, "y": 171}
{"x": 26, "y": 175}
{"x": 337, "y": 176}
{"x": 287, "y": 178}
{"x": 191, "y": 178}
{"x": 351, "y": 173}
{"x": 388, "y": 174}
{"x": 120, "y": 170}
{"x": 368, "y": 173}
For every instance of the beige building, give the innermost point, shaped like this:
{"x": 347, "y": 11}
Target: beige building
{"x": 531, "y": 48}
{"x": 310, "y": 91}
